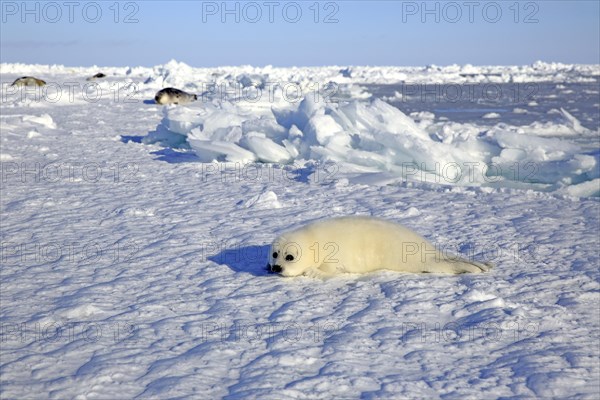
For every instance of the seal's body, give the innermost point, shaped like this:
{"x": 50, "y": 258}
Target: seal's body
{"x": 174, "y": 96}
{"x": 99, "y": 75}
{"x": 28, "y": 81}
{"x": 360, "y": 245}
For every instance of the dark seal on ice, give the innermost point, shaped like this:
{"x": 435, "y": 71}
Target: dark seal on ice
{"x": 174, "y": 96}
{"x": 99, "y": 75}
{"x": 28, "y": 81}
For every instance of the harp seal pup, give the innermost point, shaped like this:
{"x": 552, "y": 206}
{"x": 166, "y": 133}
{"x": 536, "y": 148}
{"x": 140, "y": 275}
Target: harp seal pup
{"x": 99, "y": 75}
{"x": 28, "y": 81}
{"x": 359, "y": 245}
{"x": 174, "y": 96}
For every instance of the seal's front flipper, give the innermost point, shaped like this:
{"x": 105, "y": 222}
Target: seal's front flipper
{"x": 461, "y": 266}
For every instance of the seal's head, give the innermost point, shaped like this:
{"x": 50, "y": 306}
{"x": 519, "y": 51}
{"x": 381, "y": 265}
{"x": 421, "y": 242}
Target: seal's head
{"x": 289, "y": 256}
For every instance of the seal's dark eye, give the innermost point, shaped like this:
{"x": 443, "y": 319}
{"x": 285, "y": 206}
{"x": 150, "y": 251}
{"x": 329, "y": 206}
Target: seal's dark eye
{"x": 275, "y": 255}
{"x": 289, "y": 257}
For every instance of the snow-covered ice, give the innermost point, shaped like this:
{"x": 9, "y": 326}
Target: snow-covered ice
{"x": 135, "y": 236}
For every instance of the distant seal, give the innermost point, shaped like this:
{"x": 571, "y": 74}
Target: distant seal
{"x": 174, "y": 96}
{"x": 359, "y": 245}
{"x": 28, "y": 81}
{"x": 99, "y": 75}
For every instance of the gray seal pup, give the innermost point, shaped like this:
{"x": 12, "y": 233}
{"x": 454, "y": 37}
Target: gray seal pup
{"x": 28, "y": 81}
{"x": 359, "y": 245}
{"x": 174, "y": 96}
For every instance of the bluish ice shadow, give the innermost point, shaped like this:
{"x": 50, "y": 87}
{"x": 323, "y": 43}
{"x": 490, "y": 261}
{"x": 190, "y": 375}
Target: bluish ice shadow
{"x": 248, "y": 259}
{"x": 150, "y": 102}
{"x": 303, "y": 174}
{"x": 131, "y": 138}
{"x": 175, "y": 157}
{"x": 313, "y": 172}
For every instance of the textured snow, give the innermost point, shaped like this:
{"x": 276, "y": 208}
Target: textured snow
{"x": 134, "y": 242}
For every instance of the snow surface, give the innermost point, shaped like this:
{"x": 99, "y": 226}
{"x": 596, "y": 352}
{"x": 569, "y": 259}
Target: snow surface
{"x": 135, "y": 236}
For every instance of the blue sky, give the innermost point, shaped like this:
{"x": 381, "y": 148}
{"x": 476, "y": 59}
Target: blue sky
{"x": 203, "y": 34}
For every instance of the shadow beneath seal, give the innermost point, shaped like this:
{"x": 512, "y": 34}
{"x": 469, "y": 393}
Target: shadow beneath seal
{"x": 249, "y": 259}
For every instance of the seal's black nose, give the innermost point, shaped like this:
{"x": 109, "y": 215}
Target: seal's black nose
{"x": 276, "y": 268}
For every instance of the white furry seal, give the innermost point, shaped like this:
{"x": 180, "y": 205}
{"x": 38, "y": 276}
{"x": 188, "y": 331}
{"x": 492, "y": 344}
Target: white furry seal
{"x": 174, "y": 96}
{"x": 28, "y": 81}
{"x": 359, "y": 245}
